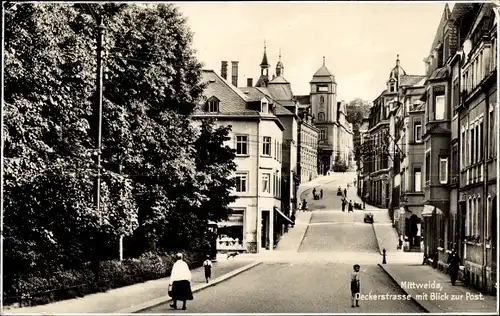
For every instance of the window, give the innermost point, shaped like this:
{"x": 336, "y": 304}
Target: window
{"x": 481, "y": 141}
{"x": 417, "y": 179}
{"x": 488, "y": 217}
{"x": 443, "y": 170}
{"x": 266, "y": 178}
{"x": 213, "y": 106}
{"x": 476, "y": 148}
{"x": 241, "y": 182}
{"x": 454, "y": 160}
{"x": 439, "y": 107}
{"x": 264, "y": 107}
{"x": 241, "y": 145}
{"x": 392, "y": 87}
{"x": 456, "y": 93}
{"x": 322, "y": 134}
{"x": 321, "y": 99}
{"x": 472, "y": 148}
{"x": 427, "y": 167}
{"x": 492, "y": 134}
{"x": 321, "y": 116}
{"x": 418, "y": 132}
{"x": 462, "y": 150}
{"x": 321, "y": 88}
{"x": 478, "y": 206}
{"x": 266, "y": 146}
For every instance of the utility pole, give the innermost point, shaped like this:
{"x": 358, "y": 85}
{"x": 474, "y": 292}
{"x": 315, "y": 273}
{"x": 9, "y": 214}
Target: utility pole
{"x": 98, "y": 108}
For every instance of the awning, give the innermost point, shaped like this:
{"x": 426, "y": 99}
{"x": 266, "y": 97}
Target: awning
{"x": 229, "y": 224}
{"x": 438, "y": 211}
{"x": 283, "y": 215}
{"x": 427, "y": 211}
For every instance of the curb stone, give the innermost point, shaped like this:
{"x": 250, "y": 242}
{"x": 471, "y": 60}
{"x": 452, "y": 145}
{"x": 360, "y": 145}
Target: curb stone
{"x": 163, "y": 300}
{"x": 376, "y": 237}
{"x": 424, "y": 305}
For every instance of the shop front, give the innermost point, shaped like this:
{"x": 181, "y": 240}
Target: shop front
{"x": 230, "y": 233}
{"x": 432, "y": 231}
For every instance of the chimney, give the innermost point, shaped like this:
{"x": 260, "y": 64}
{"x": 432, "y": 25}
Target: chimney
{"x": 223, "y": 70}
{"x": 234, "y": 73}
{"x": 250, "y": 82}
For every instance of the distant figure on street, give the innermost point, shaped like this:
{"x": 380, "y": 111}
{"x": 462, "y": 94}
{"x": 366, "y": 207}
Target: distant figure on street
{"x": 293, "y": 219}
{"x": 345, "y": 193}
{"x": 180, "y": 283}
{"x": 304, "y": 205}
{"x": 454, "y": 262}
{"x": 314, "y": 192}
{"x": 207, "y": 265}
{"x": 321, "y": 193}
{"x": 351, "y": 209}
{"x": 343, "y": 204}
{"x": 401, "y": 241}
{"x": 355, "y": 285}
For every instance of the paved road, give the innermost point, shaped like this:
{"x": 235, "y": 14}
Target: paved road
{"x": 315, "y": 280}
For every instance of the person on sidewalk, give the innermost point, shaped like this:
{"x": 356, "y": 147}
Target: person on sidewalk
{"x": 454, "y": 262}
{"x": 314, "y": 192}
{"x": 304, "y": 205}
{"x": 350, "y": 209}
{"x": 293, "y": 219}
{"x": 343, "y": 204}
{"x": 321, "y": 193}
{"x": 180, "y": 283}
{"x": 207, "y": 265}
{"x": 355, "y": 285}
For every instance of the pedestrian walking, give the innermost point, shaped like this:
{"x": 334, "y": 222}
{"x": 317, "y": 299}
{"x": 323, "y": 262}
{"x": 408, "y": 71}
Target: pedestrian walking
{"x": 180, "y": 283}
{"x": 304, "y": 205}
{"x": 345, "y": 193}
{"x": 321, "y": 193}
{"x": 355, "y": 285}
{"x": 207, "y": 265}
{"x": 314, "y": 192}
{"x": 351, "y": 209}
{"x": 343, "y": 204}
{"x": 454, "y": 262}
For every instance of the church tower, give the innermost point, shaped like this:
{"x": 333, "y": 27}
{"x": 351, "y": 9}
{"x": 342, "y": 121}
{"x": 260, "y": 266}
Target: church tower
{"x": 264, "y": 70}
{"x": 324, "y": 106}
{"x": 280, "y": 69}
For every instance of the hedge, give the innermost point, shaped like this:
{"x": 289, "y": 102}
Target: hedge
{"x": 68, "y": 284}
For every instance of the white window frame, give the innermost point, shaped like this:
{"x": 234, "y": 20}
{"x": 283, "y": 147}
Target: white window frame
{"x": 415, "y": 180}
{"x": 266, "y": 178}
{"x": 468, "y": 219}
{"x": 242, "y": 142}
{"x": 418, "y": 126}
{"x": 242, "y": 175}
{"x": 264, "y": 107}
{"x": 478, "y": 206}
{"x": 213, "y": 106}
{"x": 443, "y": 112}
{"x": 266, "y": 143}
{"x": 445, "y": 180}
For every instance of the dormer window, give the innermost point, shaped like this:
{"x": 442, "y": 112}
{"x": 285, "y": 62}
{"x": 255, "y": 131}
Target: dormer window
{"x": 213, "y": 105}
{"x": 264, "y": 107}
{"x": 392, "y": 87}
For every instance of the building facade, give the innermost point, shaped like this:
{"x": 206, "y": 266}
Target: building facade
{"x": 257, "y": 137}
{"x": 362, "y": 137}
{"x": 460, "y": 143}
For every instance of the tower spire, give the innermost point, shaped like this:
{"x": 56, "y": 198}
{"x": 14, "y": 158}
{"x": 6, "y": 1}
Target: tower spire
{"x": 323, "y": 60}
{"x": 397, "y": 60}
{"x": 280, "y": 55}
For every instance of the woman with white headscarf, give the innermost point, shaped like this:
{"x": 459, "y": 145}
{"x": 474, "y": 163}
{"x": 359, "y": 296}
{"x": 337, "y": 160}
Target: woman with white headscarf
{"x": 180, "y": 283}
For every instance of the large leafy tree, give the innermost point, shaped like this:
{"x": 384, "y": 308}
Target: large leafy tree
{"x": 150, "y": 179}
{"x": 357, "y": 109}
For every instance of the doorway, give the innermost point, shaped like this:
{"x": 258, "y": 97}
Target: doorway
{"x": 265, "y": 229}
{"x": 461, "y": 229}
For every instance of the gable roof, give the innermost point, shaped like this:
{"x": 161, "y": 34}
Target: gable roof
{"x": 438, "y": 37}
{"x": 230, "y": 98}
{"x": 303, "y": 99}
{"x": 257, "y": 93}
{"x": 410, "y": 80}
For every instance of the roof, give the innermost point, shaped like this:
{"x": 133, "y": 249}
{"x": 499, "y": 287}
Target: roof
{"x": 256, "y": 93}
{"x": 439, "y": 32}
{"x": 440, "y": 73}
{"x": 323, "y": 75}
{"x": 280, "y": 91}
{"x": 410, "y": 80}
{"x": 264, "y": 59}
{"x": 278, "y": 79}
{"x": 303, "y": 99}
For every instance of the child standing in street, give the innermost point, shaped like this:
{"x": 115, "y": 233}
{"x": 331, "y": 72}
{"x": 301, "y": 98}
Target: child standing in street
{"x": 355, "y": 285}
{"x": 208, "y": 268}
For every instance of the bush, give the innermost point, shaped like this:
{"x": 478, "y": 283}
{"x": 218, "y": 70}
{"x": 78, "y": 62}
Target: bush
{"x": 36, "y": 290}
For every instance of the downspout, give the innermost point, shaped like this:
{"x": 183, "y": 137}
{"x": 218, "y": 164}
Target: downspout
{"x": 259, "y": 215}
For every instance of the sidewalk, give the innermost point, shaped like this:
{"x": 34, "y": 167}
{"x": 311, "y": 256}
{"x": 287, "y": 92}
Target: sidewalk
{"x": 127, "y": 297}
{"x": 450, "y": 300}
{"x": 290, "y": 242}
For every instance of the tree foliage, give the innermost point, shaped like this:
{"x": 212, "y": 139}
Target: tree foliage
{"x": 160, "y": 181}
{"x": 357, "y": 109}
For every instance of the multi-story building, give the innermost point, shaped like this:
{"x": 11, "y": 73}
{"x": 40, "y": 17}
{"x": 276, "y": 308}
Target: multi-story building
{"x": 478, "y": 129}
{"x": 376, "y": 172}
{"x": 362, "y": 136}
{"x": 257, "y": 137}
{"x": 409, "y": 152}
{"x": 307, "y": 168}
{"x": 335, "y": 133}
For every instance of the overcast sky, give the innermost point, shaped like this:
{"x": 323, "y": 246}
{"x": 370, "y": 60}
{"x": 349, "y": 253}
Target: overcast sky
{"x": 359, "y": 40}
